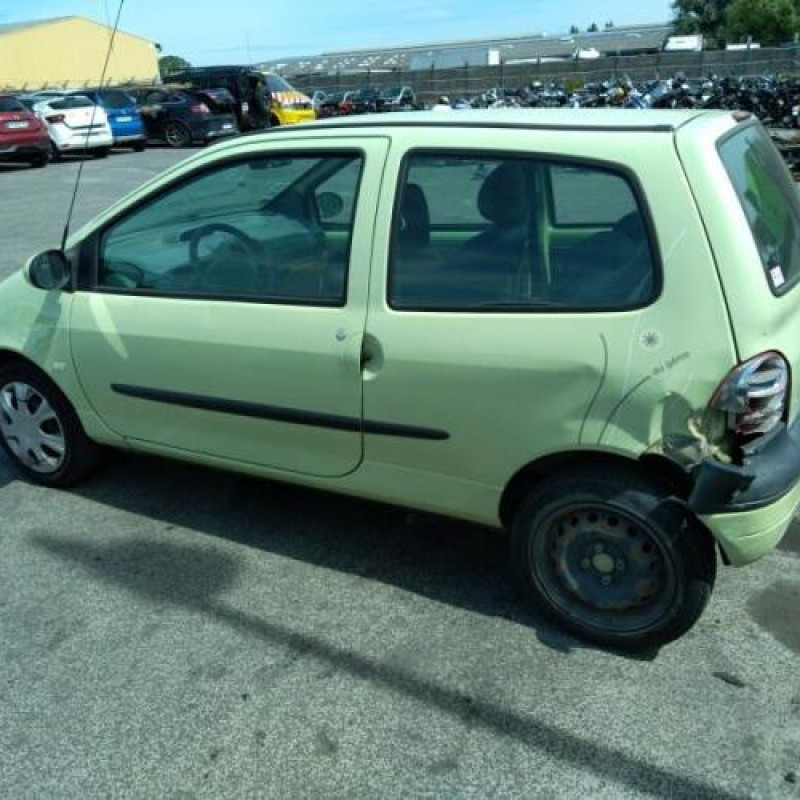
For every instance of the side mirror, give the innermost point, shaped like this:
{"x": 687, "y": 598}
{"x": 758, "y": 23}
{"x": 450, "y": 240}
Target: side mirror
{"x": 50, "y": 270}
{"x": 329, "y": 205}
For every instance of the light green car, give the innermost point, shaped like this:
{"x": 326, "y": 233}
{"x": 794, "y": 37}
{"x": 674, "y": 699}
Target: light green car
{"x": 581, "y": 326}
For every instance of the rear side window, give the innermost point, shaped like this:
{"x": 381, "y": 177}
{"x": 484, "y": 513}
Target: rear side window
{"x": 480, "y": 232}
{"x": 769, "y": 200}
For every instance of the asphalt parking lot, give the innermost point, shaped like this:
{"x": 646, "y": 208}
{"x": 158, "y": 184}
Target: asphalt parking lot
{"x": 174, "y": 632}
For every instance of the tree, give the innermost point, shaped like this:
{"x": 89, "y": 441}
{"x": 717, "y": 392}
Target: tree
{"x": 592, "y": 28}
{"x": 169, "y": 65}
{"x": 574, "y": 29}
{"x": 609, "y": 25}
{"x": 706, "y": 17}
{"x": 769, "y": 22}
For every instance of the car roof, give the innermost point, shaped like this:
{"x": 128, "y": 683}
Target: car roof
{"x": 627, "y": 120}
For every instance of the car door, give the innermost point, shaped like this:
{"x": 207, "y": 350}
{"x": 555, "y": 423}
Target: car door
{"x": 518, "y": 306}
{"x": 224, "y": 315}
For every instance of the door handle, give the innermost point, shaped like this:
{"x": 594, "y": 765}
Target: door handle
{"x": 371, "y": 356}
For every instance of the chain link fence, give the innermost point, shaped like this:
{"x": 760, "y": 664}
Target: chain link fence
{"x": 469, "y": 80}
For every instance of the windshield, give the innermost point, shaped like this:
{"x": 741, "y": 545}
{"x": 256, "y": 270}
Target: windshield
{"x": 769, "y": 200}
{"x": 277, "y": 84}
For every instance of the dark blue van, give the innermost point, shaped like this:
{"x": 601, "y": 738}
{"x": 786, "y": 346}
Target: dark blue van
{"x": 123, "y": 116}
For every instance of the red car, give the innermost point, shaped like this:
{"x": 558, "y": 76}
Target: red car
{"x": 22, "y": 135}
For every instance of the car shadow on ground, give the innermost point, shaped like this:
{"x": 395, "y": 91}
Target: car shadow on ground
{"x": 449, "y": 561}
{"x": 791, "y": 541}
{"x": 11, "y": 166}
{"x": 196, "y": 580}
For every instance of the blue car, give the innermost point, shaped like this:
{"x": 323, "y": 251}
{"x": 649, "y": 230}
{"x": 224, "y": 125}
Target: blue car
{"x": 123, "y": 116}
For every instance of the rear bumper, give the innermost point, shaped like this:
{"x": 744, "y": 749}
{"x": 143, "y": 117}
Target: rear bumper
{"x": 19, "y": 151}
{"x": 129, "y": 138}
{"x": 81, "y": 142}
{"x": 746, "y": 536}
{"x": 210, "y": 136}
{"x": 749, "y": 507}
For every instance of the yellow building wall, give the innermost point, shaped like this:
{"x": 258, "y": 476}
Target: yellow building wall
{"x": 70, "y": 53}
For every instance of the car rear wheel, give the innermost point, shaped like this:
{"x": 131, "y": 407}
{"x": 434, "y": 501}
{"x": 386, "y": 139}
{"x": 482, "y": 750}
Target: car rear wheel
{"x": 613, "y": 557}
{"x": 176, "y": 134}
{"x": 39, "y": 430}
{"x": 101, "y": 152}
{"x": 139, "y": 147}
{"x": 39, "y": 161}
{"x": 55, "y": 153}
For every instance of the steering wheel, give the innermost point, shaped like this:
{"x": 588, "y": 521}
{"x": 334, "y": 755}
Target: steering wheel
{"x": 122, "y": 275}
{"x": 219, "y": 270}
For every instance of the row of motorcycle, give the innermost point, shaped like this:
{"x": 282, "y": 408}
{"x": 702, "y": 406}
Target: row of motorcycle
{"x": 773, "y": 99}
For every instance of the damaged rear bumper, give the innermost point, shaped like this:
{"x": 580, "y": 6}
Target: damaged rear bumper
{"x": 749, "y": 507}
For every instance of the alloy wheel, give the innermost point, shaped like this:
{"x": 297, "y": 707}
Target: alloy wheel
{"x": 31, "y": 428}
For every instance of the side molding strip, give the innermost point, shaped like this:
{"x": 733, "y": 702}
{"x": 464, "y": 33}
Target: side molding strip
{"x": 279, "y": 414}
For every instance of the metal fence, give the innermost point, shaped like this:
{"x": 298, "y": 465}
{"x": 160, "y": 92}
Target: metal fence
{"x": 470, "y": 80}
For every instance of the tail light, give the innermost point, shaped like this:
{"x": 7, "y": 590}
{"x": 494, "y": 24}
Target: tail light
{"x": 200, "y": 108}
{"x": 56, "y": 118}
{"x": 754, "y": 395}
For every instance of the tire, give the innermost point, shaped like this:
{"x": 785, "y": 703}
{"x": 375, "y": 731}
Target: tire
{"x": 613, "y": 557}
{"x": 139, "y": 147}
{"x": 176, "y": 134}
{"x": 55, "y": 153}
{"x": 39, "y": 161}
{"x": 80, "y": 455}
{"x": 101, "y": 152}
{"x": 274, "y": 122}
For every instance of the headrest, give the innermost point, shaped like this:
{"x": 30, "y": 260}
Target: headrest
{"x": 415, "y": 216}
{"x": 502, "y": 197}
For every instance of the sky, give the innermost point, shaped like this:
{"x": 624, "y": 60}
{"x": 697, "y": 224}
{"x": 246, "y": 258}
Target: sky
{"x": 244, "y": 31}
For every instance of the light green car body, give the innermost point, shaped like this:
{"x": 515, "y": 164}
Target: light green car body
{"x": 517, "y": 393}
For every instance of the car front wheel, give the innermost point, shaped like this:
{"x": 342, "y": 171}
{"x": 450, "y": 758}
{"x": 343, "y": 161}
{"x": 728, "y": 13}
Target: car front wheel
{"x": 40, "y": 431}
{"x": 613, "y": 557}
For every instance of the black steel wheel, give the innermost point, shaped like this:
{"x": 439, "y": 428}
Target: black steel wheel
{"x": 613, "y": 557}
{"x": 39, "y": 430}
{"x": 176, "y": 134}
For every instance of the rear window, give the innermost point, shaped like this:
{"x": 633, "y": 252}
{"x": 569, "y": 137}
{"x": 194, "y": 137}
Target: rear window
{"x": 64, "y": 103}
{"x": 10, "y": 104}
{"x": 769, "y": 200}
{"x": 117, "y": 100}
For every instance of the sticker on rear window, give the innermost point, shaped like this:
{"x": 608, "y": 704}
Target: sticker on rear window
{"x": 776, "y": 273}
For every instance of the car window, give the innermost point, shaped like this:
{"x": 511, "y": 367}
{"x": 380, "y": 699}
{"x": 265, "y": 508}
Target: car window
{"x": 343, "y": 184}
{"x": 480, "y": 233}
{"x": 10, "y": 104}
{"x": 65, "y": 103}
{"x": 768, "y": 197}
{"x": 277, "y": 84}
{"x": 575, "y": 191}
{"x": 248, "y": 230}
{"x": 117, "y": 99}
